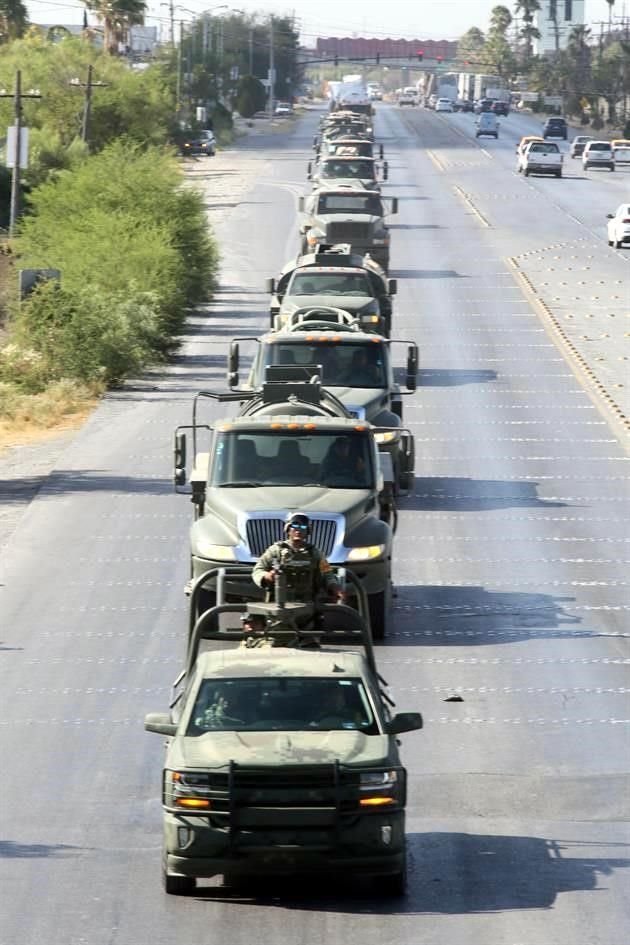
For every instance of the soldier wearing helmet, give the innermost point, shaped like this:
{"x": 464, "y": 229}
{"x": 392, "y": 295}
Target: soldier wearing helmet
{"x": 307, "y": 571}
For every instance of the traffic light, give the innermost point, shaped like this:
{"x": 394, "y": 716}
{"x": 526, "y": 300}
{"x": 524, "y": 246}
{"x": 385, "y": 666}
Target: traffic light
{"x": 420, "y": 55}
{"x": 440, "y": 58}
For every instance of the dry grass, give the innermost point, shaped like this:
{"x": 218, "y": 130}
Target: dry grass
{"x": 27, "y": 418}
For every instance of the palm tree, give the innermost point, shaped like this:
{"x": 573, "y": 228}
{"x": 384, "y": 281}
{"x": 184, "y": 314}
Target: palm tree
{"x": 117, "y": 16}
{"x": 500, "y": 19}
{"x": 13, "y": 20}
{"x": 526, "y": 9}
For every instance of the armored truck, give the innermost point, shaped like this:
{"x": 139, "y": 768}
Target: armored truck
{"x": 347, "y": 215}
{"x": 355, "y": 367}
{"x": 279, "y": 457}
{"x": 282, "y": 756}
{"x": 336, "y": 278}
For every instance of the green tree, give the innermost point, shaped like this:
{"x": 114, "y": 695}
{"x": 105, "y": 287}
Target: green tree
{"x": 251, "y": 96}
{"x": 117, "y": 16}
{"x": 525, "y": 10}
{"x": 470, "y": 45}
{"x": 13, "y": 20}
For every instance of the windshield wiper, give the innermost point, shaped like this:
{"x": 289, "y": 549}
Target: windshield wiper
{"x": 240, "y": 483}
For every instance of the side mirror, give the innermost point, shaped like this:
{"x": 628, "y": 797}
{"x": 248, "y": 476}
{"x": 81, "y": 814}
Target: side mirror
{"x": 404, "y": 722}
{"x": 394, "y": 205}
{"x": 270, "y": 286}
{"x": 161, "y": 723}
{"x": 301, "y": 204}
{"x": 412, "y": 367}
{"x": 233, "y": 364}
{"x": 610, "y": 216}
{"x": 180, "y": 459}
{"x": 393, "y": 287}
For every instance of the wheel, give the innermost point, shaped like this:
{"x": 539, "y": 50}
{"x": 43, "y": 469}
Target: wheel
{"x": 618, "y": 244}
{"x": 559, "y": 174}
{"x": 611, "y": 243}
{"x": 585, "y": 167}
{"x": 525, "y": 172}
{"x": 612, "y": 167}
{"x": 377, "y": 605}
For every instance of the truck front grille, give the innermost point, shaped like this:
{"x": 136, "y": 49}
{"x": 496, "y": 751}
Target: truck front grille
{"x": 346, "y": 232}
{"x": 262, "y": 532}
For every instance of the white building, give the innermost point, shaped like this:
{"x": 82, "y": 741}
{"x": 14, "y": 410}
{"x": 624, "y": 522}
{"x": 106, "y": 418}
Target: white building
{"x": 554, "y": 21}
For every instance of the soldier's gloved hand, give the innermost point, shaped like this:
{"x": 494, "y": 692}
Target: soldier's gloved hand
{"x": 337, "y": 595}
{"x": 269, "y": 577}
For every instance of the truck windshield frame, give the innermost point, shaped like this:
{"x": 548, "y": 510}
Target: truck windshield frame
{"x": 350, "y": 203}
{"x": 271, "y": 458}
{"x": 307, "y": 283}
{"x": 285, "y": 703}
{"x": 360, "y": 365}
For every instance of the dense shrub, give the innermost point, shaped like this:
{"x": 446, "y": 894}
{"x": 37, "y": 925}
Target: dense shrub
{"x": 251, "y": 96}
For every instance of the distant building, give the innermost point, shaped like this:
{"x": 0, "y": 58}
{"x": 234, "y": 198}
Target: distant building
{"x": 554, "y": 21}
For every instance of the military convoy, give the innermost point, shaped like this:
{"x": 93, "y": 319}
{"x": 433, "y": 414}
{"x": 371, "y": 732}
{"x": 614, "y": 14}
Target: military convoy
{"x": 282, "y": 752}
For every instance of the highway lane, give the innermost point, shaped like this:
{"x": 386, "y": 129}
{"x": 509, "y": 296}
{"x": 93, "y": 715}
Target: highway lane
{"x": 511, "y": 571}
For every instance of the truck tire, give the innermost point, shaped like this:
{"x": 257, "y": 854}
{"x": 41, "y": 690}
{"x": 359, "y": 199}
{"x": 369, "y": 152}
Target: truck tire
{"x": 393, "y": 886}
{"x": 559, "y": 174}
{"x": 525, "y": 172}
{"x": 377, "y": 605}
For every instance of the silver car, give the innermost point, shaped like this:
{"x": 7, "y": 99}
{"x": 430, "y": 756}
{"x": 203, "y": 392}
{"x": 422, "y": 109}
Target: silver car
{"x": 598, "y": 154}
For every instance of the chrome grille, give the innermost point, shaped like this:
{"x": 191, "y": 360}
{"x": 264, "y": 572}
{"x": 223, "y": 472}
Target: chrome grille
{"x": 262, "y": 532}
{"x": 346, "y": 232}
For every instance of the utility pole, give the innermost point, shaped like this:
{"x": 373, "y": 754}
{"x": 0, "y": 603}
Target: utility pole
{"x": 87, "y": 102}
{"x": 251, "y": 50}
{"x": 171, "y": 21}
{"x": 271, "y": 67}
{"x": 178, "y": 90}
{"x": 17, "y": 97}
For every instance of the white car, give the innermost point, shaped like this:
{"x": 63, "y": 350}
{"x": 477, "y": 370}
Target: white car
{"x": 283, "y": 108}
{"x": 444, "y": 105}
{"x": 619, "y": 226}
{"x": 598, "y": 154}
{"x": 408, "y": 96}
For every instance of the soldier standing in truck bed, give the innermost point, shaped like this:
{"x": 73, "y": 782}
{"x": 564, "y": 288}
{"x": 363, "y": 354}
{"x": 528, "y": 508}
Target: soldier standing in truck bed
{"x": 308, "y": 573}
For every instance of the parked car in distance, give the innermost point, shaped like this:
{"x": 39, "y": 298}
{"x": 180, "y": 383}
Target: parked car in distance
{"x": 598, "y": 154}
{"x": 283, "y": 108}
{"x": 487, "y": 125}
{"x": 501, "y": 108}
{"x": 578, "y": 144}
{"x": 619, "y": 226}
{"x": 555, "y": 128}
{"x": 444, "y": 105}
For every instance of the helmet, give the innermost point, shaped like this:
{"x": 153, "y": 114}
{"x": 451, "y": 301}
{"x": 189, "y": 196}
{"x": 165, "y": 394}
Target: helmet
{"x": 298, "y": 520}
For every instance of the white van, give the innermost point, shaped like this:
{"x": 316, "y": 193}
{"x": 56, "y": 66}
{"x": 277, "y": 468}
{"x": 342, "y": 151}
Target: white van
{"x": 487, "y": 125}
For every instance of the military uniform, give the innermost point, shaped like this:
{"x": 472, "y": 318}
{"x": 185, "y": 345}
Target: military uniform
{"x": 307, "y": 570}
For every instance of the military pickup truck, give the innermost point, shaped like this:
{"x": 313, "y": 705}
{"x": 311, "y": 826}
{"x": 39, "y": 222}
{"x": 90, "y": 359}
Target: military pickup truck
{"x": 349, "y": 146}
{"x": 337, "y": 278}
{"x": 282, "y": 754}
{"x": 279, "y": 457}
{"x": 347, "y": 215}
{"x": 354, "y": 366}
{"x": 341, "y": 169}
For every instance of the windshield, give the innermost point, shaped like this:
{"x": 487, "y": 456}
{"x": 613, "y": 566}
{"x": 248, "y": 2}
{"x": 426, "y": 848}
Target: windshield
{"x": 330, "y": 283}
{"x": 347, "y": 365}
{"x": 268, "y": 704}
{"x": 361, "y": 170}
{"x": 340, "y": 203}
{"x": 331, "y": 460}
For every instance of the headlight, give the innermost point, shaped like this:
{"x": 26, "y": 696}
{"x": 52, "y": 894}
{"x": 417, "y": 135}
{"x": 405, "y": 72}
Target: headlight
{"x": 373, "y": 780}
{"x": 216, "y": 552}
{"x": 387, "y": 437}
{"x": 313, "y": 236}
{"x": 365, "y": 553}
{"x": 187, "y": 789}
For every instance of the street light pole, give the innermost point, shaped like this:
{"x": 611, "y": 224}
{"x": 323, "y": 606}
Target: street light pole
{"x": 271, "y": 67}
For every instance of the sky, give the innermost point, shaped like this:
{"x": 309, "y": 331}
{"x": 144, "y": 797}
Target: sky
{"x": 408, "y": 19}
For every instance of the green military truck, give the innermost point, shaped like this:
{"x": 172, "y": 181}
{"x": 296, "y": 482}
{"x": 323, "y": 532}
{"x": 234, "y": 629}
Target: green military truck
{"x": 335, "y": 278}
{"x": 355, "y": 367}
{"x": 282, "y": 753}
{"x": 340, "y": 169}
{"x": 277, "y": 458}
{"x": 349, "y": 215}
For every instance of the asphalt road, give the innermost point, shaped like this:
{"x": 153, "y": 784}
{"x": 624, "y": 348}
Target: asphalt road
{"x": 512, "y": 592}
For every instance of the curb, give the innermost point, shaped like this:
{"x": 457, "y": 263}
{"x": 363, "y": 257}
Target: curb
{"x": 605, "y": 403}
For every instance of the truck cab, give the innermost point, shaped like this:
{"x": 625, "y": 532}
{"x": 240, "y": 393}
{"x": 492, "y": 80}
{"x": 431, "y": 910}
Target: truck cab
{"x": 340, "y": 169}
{"x": 330, "y": 216}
